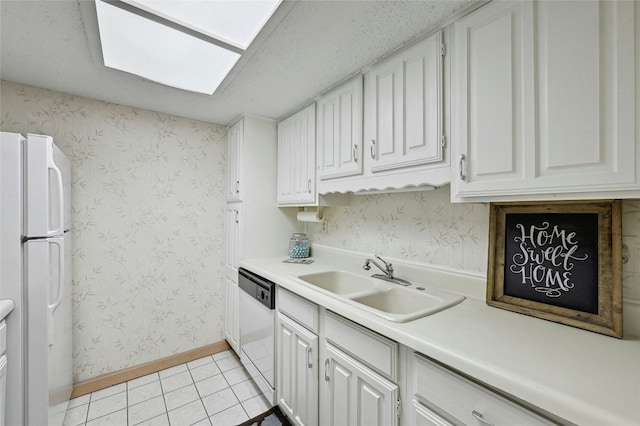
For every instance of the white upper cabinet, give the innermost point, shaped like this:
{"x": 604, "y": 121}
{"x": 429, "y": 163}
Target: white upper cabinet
{"x": 339, "y": 151}
{"x": 297, "y": 159}
{"x": 403, "y": 106}
{"x": 403, "y": 142}
{"x": 544, "y": 102}
{"x": 234, "y": 148}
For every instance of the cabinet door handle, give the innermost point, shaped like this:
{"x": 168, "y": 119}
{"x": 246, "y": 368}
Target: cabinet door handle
{"x": 326, "y": 370}
{"x": 481, "y": 419}
{"x": 237, "y": 187}
{"x": 237, "y": 212}
{"x": 309, "y": 186}
{"x": 355, "y": 153}
{"x": 373, "y": 149}
{"x": 460, "y": 165}
{"x": 309, "y": 364}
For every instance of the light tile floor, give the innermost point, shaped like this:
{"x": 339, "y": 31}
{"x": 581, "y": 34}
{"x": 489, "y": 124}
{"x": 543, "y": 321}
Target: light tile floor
{"x": 214, "y": 390}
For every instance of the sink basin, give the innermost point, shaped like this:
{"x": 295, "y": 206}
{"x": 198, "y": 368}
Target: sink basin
{"x": 387, "y": 300}
{"x": 402, "y": 304}
{"x": 342, "y": 283}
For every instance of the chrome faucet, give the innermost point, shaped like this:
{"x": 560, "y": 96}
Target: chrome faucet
{"x": 388, "y": 267}
{"x": 388, "y": 271}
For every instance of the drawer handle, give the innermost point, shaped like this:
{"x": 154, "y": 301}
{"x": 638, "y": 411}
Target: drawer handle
{"x": 481, "y": 419}
{"x": 462, "y": 175}
{"x": 326, "y": 370}
{"x": 237, "y": 187}
{"x": 355, "y": 153}
{"x": 373, "y": 149}
{"x": 309, "y": 364}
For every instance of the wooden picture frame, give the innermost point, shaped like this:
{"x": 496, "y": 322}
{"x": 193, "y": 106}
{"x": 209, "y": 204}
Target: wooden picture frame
{"x": 559, "y": 261}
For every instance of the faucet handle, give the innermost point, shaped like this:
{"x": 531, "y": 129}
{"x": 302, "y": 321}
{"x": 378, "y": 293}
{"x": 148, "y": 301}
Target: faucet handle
{"x": 387, "y": 264}
{"x": 366, "y": 265}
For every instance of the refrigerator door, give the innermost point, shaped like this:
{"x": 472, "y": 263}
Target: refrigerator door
{"x": 11, "y": 223}
{"x": 48, "y": 291}
{"x": 47, "y": 173}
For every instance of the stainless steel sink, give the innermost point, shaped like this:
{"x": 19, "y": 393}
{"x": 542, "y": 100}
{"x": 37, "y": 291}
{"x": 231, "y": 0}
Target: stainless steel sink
{"x": 387, "y": 300}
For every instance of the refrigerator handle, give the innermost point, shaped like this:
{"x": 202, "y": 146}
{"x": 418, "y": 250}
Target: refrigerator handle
{"x": 51, "y": 165}
{"x": 53, "y": 306}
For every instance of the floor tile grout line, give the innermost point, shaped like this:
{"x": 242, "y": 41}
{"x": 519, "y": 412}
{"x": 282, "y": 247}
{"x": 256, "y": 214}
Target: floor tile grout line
{"x": 197, "y": 391}
{"x": 126, "y": 389}
{"x": 193, "y": 382}
{"x": 164, "y": 400}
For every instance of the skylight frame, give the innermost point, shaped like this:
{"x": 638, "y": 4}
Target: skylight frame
{"x": 123, "y": 26}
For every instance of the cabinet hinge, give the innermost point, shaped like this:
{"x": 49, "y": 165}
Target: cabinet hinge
{"x": 398, "y": 405}
{"x": 443, "y": 49}
{"x": 443, "y": 142}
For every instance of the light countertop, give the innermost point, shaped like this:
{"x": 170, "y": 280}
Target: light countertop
{"x": 580, "y": 376}
{"x": 6, "y": 306}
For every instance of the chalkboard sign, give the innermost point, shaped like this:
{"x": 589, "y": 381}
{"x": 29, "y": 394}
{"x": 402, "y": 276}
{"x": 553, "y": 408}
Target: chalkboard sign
{"x": 552, "y": 258}
{"x": 559, "y": 262}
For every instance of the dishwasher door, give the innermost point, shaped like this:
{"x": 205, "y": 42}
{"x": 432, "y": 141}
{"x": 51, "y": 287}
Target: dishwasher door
{"x": 257, "y": 330}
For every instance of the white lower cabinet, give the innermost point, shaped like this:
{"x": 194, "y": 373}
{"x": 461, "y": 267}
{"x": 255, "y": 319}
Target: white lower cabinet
{"x": 334, "y": 372}
{"x": 360, "y": 368}
{"x": 231, "y": 325}
{"x": 460, "y": 400}
{"x": 297, "y": 371}
{"x": 423, "y": 416}
{"x": 355, "y": 394}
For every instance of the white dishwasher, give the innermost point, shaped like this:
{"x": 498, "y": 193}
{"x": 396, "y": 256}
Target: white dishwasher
{"x": 257, "y": 330}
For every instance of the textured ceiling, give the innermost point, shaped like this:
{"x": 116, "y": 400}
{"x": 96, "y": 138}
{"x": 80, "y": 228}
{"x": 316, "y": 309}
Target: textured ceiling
{"x": 306, "y": 48}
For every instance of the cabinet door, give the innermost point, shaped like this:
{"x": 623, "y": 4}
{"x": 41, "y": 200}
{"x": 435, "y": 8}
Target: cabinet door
{"x": 297, "y": 358}
{"x": 233, "y": 237}
{"x": 234, "y": 149}
{"x": 403, "y": 107}
{"x": 297, "y": 158}
{"x": 543, "y": 107}
{"x": 231, "y": 323}
{"x": 492, "y": 76}
{"x": 339, "y": 143}
{"x": 584, "y": 106}
{"x": 356, "y": 395}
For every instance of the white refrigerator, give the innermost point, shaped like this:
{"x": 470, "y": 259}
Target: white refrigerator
{"x": 35, "y": 271}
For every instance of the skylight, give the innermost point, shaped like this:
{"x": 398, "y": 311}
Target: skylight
{"x": 190, "y": 45}
{"x": 234, "y": 22}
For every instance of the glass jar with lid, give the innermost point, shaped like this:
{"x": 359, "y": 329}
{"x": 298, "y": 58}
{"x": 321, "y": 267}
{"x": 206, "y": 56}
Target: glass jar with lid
{"x": 299, "y": 245}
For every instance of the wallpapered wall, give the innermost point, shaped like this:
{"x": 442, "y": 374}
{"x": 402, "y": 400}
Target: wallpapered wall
{"x": 147, "y": 211}
{"x": 426, "y": 227}
{"x": 148, "y": 198}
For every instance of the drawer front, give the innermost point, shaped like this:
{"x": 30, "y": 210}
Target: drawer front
{"x": 422, "y": 416}
{"x": 464, "y": 401}
{"x": 303, "y": 311}
{"x": 3, "y": 337}
{"x": 376, "y": 351}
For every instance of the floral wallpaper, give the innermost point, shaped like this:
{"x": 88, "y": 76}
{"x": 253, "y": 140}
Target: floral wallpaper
{"x": 148, "y": 203}
{"x": 426, "y": 227}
